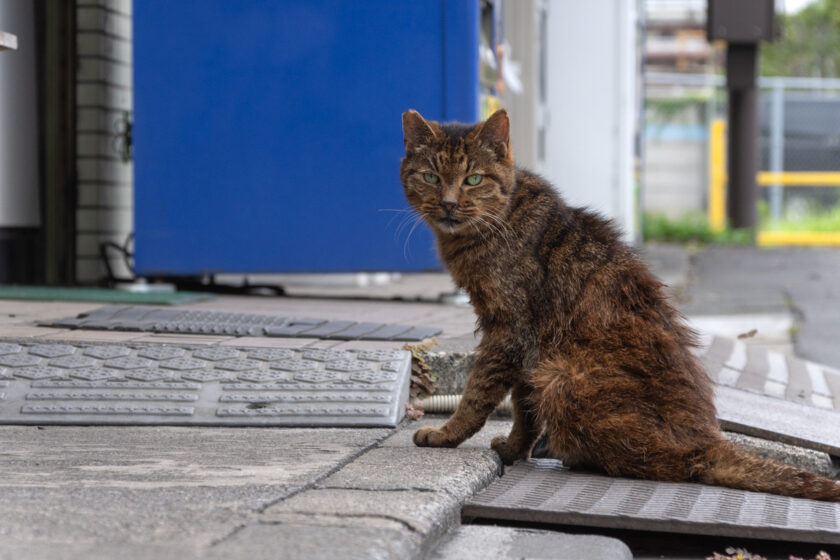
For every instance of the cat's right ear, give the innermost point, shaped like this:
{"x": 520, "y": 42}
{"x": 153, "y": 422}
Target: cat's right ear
{"x": 417, "y": 131}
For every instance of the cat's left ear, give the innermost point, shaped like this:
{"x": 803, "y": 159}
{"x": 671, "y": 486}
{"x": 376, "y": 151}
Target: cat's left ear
{"x": 417, "y": 131}
{"x": 495, "y": 133}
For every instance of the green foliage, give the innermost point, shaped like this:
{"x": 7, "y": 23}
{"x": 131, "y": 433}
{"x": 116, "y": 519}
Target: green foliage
{"x": 810, "y": 43}
{"x": 814, "y": 220}
{"x": 693, "y": 227}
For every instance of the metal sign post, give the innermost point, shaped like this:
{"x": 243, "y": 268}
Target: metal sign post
{"x": 742, "y": 195}
{"x": 742, "y": 24}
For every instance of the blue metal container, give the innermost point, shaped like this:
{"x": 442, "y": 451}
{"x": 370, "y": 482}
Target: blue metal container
{"x": 268, "y": 135}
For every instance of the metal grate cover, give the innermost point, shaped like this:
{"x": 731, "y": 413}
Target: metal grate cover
{"x": 543, "y": 491}
{"x": 753, "y": 368}
{"x": 185, "y": 321}
{"x": 771, "y": 418}
{"x": 219, "y": 386}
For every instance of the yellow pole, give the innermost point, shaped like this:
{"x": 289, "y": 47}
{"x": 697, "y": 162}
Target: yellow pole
{"x": 717, "y": 175}
{"x": 799, "y": 178}
{"x": 806, "y": 238}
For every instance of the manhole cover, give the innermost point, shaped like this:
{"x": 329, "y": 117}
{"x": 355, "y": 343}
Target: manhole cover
{"x": 183, "y": 385}
{"x": 543, "y": 491}
{"x": 169, "y": 320}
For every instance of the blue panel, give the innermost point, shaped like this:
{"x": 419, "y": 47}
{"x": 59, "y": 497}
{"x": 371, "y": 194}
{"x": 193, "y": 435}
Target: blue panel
{"x": 460, "y": 72}
{"x": 268, "y": 134}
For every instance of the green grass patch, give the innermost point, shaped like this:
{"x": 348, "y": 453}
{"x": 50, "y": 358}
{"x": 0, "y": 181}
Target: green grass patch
{"x": 693, "y": 227}
{"x": 826, "y": 220}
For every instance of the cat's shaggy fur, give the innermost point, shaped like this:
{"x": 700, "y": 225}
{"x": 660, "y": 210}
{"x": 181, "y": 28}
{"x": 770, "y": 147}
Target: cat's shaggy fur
{"x": 572, "y": 323}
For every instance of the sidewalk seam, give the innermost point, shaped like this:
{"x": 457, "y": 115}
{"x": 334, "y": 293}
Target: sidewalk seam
{"x": 346, "y": 515}
{"x": 302, "y": 488}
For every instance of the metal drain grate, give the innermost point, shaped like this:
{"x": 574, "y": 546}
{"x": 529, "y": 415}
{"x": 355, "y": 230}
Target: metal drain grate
{"x": 543, "y": 491}
{"x": 753, "y": 368}
{"x": 169, "y": 320}
{"x": 143, "y": 384}
{"x": 761, "y": 416}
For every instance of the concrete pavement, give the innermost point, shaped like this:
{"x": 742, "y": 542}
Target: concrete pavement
{"x": 165, "y": 492}
{"x": 168, "y": 492}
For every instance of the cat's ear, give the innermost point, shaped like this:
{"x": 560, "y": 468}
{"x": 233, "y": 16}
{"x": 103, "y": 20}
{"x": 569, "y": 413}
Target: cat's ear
{"x": 495, "y": 134}
{"x": 417, "y": 131}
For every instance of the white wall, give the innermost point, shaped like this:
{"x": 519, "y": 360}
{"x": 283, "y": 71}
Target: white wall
{"x": 593, "y": 105}
{"x": 19, "y": 178}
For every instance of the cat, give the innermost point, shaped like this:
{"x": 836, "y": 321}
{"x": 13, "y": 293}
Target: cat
{"x": 573, "y": 325}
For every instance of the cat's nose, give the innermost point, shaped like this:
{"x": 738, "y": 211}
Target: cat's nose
{"x": 448, "y": 205}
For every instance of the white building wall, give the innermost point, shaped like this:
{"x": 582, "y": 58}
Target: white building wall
{"x": 593, "y": 106}
{"x": 103, "y": 95}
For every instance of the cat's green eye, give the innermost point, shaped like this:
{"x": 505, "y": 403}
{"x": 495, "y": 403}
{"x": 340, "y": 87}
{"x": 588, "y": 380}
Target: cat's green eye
{"x": 431, "y": 178}
{"x": 475, "y": 179}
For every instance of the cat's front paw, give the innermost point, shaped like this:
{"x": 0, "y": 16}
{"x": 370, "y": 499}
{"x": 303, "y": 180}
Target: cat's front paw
{"x": 507, "y": 454}
{"x": 431, "y": 437}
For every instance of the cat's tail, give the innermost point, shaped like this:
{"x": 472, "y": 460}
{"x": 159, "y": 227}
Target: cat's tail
{"x": 728, "y": 465}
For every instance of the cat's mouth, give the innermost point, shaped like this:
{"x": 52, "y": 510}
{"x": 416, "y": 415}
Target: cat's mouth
{"x": 448, "y": 223}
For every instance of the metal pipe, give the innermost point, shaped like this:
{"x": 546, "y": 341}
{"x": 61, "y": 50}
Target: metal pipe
{"x": 777, "y": 148}
{"x": 446, "y": 404}
{"x": 712, "y": 80}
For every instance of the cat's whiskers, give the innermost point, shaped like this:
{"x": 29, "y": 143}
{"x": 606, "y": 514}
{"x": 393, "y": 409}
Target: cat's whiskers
{"x": 495, "y": 230}
{"x": 417, "y": 219}
{"x": 507, "y": 231}
{"x": 397, "y": 211}
{"x": 472, "y": 221}
{"x": 406, "y": 220}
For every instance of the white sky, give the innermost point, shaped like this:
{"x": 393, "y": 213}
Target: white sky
{"x": 793, "y": 6}
{"x": 790, "y": 6}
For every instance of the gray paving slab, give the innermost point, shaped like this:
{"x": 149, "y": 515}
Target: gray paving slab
{"x": 55, "y": 383}
{"x": 394, "y": 501}
{"x": 186, "y": 320}
{"x": 473, "y": 542}
{"x": 80, "y": 490}
{"x": 398, "y": 465}
{"x": 543, "y": 491}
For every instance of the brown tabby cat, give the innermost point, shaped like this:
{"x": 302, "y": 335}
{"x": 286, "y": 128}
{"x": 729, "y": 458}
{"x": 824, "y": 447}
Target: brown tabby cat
{"x": 572, "y": 323}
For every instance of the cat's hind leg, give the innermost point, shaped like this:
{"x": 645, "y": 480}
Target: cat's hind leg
{"x": 525, "y": 429}
{"x": 599, "y": 418}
